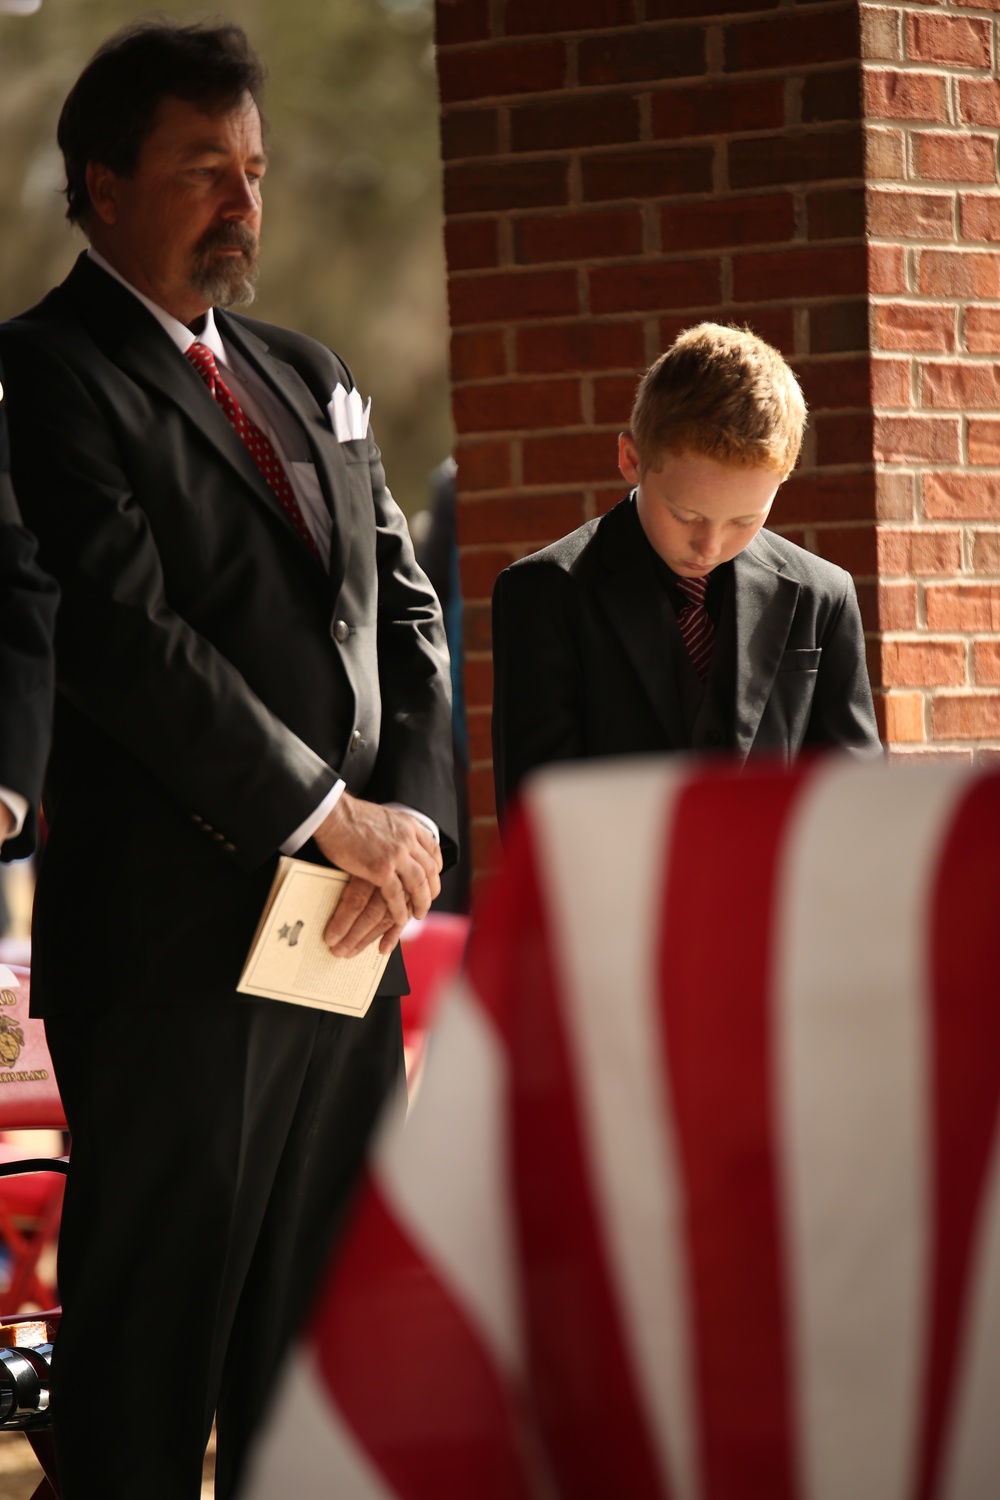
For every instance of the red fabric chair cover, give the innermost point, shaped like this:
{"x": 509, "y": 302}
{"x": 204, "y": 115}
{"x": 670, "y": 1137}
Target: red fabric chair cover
{"x": 30, "y": 1205}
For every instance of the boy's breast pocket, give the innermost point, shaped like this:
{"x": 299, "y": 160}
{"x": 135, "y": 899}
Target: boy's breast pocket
{"x": 806, "y": 660}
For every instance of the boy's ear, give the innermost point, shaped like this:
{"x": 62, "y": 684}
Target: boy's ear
{"x": 628, "y": 458}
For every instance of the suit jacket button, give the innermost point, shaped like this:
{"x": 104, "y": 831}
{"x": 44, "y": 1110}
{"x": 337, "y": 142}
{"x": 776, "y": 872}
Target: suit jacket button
{"x": 220, "y": 838}
{"x": 229, "y": 848}
{"x": 356, "y": 740}
{"x": 341, "y": 630}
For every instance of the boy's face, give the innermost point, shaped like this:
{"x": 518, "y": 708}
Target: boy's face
{"x": 695, "y": 511}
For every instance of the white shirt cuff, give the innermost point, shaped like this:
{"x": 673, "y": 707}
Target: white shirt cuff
{"x": 305, "y": 830}
{"x": 428, "y": 823}
{"x": 18, "y": 806}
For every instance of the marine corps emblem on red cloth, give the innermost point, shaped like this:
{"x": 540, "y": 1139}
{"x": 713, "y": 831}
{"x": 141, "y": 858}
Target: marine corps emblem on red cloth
{"x": 11, "y": 1041}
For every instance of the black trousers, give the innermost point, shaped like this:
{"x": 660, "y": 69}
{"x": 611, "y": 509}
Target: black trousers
{"x": 214, "y": 1152}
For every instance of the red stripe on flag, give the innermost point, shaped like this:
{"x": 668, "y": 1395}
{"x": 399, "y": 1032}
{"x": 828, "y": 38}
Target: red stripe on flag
{"x": 414, "y": 1381}
{"x": 715, "y": 974}
{"x": 499, "y": 926}
{"x": 593, "y": 1425}
{"x": 965, "y": 1088}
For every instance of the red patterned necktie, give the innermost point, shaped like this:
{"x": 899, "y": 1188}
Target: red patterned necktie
{"x": 696, "y": 624}
{"x": 257, "y": 443}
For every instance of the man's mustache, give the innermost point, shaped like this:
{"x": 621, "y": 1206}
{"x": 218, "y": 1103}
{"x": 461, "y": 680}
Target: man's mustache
{"x": 229, "y": 237}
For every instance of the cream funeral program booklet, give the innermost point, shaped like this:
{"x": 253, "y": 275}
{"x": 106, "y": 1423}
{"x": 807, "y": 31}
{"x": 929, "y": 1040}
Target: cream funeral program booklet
{"x": 288, "y": 958}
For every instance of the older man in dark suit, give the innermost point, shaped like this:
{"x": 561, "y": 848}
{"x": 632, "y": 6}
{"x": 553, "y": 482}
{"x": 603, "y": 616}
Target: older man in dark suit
{"x": 27, "y": 611}
{"x": 250, "y": 662}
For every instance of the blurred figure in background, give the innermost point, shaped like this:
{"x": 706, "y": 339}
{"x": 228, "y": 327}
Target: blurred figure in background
{"x": 437, "y": 553}
{"x": 27, "y": 613}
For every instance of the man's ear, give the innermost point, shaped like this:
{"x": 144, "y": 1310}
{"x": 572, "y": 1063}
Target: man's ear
{"x": 628, "y": 458}
{"x": 102, "y": 188}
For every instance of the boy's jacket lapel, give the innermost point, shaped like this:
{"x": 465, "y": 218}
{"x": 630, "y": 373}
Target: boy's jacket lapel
{"x": 764, "y": 605}
{"x": 642, "y": 619}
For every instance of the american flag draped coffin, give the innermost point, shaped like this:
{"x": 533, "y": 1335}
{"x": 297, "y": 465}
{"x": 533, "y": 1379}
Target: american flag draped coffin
{"x": 700, "y": 1199}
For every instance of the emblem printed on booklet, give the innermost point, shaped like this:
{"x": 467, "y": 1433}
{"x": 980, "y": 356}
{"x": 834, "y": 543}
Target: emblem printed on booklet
{"x": 288, "y": 958}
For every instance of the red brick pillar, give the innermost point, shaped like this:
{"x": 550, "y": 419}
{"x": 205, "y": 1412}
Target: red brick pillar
{"x": 616, "y": 170}
{"x": 934, "y": 217}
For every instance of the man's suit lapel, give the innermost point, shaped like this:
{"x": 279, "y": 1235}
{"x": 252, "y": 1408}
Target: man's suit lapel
{"x": 641, "y": 617}
{"x": 764, "y": 601}
{"x": 135, "y": 342}
{"x": 327, "y": 452}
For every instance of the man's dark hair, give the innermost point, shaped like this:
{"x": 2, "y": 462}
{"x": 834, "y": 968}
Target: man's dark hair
{"x": 112, "y": 106}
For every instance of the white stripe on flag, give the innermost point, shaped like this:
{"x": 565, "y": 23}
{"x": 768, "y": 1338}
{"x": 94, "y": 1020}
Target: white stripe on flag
{"x": 446, "y": 1175}
{"x": 972, "y": 1458}
{"x": 603, "y": 842}
{"x": 851, "y": 1012}
{"x": 306, "y": 1451}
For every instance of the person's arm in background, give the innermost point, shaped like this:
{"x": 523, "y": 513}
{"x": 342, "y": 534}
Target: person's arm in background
{"x": 28, "y": 600}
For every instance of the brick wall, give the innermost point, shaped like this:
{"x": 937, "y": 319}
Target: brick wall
{"x": 933, "y": 106}
{"x": 615, "y": 170}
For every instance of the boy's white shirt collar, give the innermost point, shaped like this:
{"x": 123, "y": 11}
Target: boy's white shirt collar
{"x": 179, "y": 332}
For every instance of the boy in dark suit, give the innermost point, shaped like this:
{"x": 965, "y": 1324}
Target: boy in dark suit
{"x": 675, "y": 622}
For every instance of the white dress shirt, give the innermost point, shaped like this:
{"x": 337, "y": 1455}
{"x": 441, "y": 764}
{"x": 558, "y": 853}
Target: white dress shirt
{"x": 273, "y": 417}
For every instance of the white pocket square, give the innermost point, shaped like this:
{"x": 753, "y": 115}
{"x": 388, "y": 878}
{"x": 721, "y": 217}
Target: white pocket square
{"x": 348, "y": 418}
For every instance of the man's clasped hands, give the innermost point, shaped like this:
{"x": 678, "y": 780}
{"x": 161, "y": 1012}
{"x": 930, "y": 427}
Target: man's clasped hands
{"x": 394, "y": 863}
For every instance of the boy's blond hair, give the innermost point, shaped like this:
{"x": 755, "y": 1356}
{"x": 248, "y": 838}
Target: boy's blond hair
{"x": 723, "y": 393}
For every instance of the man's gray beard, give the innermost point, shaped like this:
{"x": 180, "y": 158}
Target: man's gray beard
{"x": 226, "y": 283}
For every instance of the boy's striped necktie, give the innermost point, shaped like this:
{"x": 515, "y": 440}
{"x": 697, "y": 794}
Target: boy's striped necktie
{"x": 696, "y": 624}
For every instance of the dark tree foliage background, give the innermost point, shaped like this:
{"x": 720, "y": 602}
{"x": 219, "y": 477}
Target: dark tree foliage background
{"x": 351, "y": 248}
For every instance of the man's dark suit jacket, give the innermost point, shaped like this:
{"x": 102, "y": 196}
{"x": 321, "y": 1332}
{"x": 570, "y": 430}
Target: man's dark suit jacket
{"x": 27, "y": 611}
{"x": 213, "y": 678}
{"x": 588, "y": 659}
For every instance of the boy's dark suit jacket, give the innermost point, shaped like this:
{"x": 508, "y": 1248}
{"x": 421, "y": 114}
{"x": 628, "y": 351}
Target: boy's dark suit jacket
{"x": 589, "y": 661}
{"x": 27, "y": 611}
{"x": 213, "y": 678}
